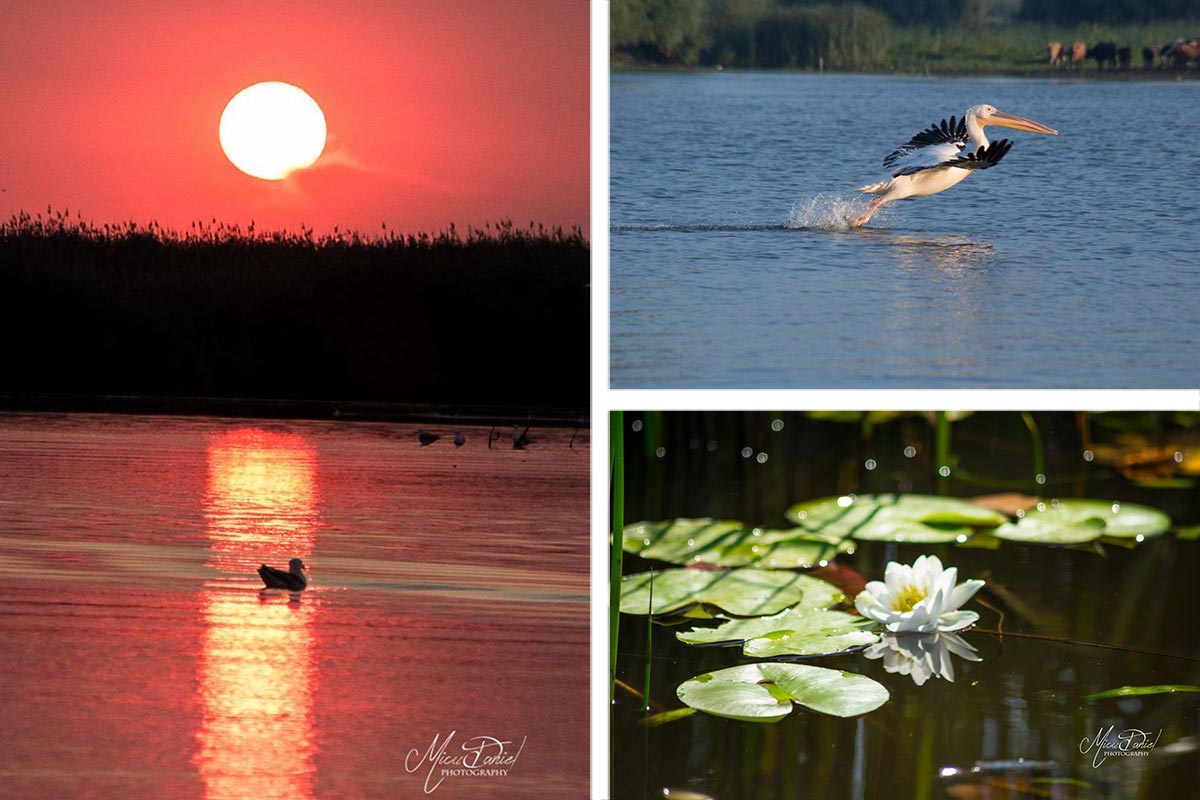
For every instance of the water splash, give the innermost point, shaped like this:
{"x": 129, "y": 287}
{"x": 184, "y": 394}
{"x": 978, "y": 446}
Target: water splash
{"x": 825, "y": 212}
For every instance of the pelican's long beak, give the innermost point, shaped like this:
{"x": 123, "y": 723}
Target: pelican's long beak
{"x": 1019, "y": 123}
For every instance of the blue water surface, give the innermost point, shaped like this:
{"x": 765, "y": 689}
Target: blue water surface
{"x": 1073, "y": 264}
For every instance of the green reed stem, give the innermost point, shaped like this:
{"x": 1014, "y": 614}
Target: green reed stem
{"x": 1039, "y": 454}
{"x": 942, "y": 447}
{"x": 617, "y": 465}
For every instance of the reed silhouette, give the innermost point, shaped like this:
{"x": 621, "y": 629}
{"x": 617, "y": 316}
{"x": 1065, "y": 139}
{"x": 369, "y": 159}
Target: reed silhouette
{"x": 495, "y": 316}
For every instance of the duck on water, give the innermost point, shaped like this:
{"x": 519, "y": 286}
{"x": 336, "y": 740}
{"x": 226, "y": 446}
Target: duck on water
{"x": 293, "y": 579}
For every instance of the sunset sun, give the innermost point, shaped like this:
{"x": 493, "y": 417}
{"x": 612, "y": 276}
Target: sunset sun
{"x": 271, "y": 129}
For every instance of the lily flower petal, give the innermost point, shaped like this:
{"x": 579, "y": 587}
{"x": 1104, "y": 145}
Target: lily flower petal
{"x": 964, "y": 592}
{"x": 957, "y": 620}
{"x": 922, "y": 597}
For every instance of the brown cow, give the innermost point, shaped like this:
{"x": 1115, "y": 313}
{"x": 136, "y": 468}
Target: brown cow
{"x": 1180, "y": 53}
{"x": 1052, "y": 52}
{"x": 1076, "y": 53}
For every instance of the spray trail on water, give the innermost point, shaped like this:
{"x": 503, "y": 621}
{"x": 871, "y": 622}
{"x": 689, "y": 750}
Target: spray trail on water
{"x": 825, "y": 212}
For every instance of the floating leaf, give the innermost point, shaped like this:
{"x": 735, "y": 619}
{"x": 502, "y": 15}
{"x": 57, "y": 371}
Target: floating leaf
{"x": 680, "y": 541}
{"x": 1010, "y": 503}
{"x": 846, "y": 578}
{"x": 982, "y": 540}
{"x": 1073, "y": 521}
{"x": 1165, "y": 483}
{"x": 741, "y": 592}
{"x": 792, "y": 548}
{"x": 1035, "y": 527}
{"x": 766, "y": 692}
{"x": 894, "y": 517}
{"x": 730, "y": 544}
{"x": 684, "y": 794}
{"x": 795, "y": 631}
{"x": 1189, "y": 534}
{"x": 1130, "y": 691}
{"x": 663, "y": 717}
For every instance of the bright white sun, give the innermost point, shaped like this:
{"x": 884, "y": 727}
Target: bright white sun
{"x": 271, "y": 129}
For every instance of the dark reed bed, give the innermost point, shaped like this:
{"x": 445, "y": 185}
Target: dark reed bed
{"x": 495, "y": 316}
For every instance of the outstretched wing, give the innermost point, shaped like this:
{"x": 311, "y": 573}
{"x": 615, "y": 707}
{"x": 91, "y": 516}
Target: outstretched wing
{"x": 982, "y": 158}
{"x": 938, "y": 136}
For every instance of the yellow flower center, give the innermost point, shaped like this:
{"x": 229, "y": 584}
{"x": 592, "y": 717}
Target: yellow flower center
{"x": 908, "y": 597}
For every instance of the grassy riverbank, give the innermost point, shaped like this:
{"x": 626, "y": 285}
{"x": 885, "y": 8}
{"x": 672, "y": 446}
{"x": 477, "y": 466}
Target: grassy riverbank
{"x": 493, "y": 317}
{"x": 852, "y": 38}
{"x": 1017, "y": 47}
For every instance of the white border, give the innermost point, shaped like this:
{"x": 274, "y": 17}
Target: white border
{"x": 601, "y": 403}
{"x": 891, "y": 399}
{"x": 605, "y": 399}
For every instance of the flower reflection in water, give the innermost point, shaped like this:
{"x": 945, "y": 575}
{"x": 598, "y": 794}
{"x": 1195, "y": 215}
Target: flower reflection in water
{"x": 922, "y": 655}
{"x": 256, "y": 672}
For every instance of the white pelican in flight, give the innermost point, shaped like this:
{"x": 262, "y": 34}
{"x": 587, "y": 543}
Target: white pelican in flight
{"x": 939, "y": 157}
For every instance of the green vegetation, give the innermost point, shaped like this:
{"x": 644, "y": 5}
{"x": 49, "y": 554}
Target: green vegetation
{"x": 948, "y": 36}
{"x": 768, "y": 692}
{"x": 497, "y": 316}
{"x": 1134, "y": 691}
{"x": 617, "y": 461}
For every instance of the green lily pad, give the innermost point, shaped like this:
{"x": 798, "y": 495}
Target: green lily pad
{"x": 795, "y": 631}
{"x": 1188, "y": 534}
{"x": 767, "y": 692}
{"x": 730, "y": 544}
{"x": 791, "y": 548}
{"x": 894, "y": 517}
{"x": 680, "y": 541}
{"x": 741, "y": 592}
{"x": 1132, "y": 691}
{"x": 1035, "y": 527}
{"x": 1073, "y": 521}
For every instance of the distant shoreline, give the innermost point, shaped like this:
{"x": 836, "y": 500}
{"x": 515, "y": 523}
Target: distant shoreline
{"x": 1151, "y": 74}
{"x": 494, "y": 320}
{"x": 265, "y": 408}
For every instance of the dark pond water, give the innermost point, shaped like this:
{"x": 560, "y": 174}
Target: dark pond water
{"x": 139, "y": 658}
{"x": 1074, "y": 622}
{"x": 1065, "y": 266}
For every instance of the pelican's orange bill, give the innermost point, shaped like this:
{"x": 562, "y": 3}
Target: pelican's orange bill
{"x": 1018, "y": 123}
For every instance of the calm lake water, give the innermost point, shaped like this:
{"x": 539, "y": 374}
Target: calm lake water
{"x": 1071, "y": 264}
{"x": 1075, "y": 622}
{"x": 139, "y": 658}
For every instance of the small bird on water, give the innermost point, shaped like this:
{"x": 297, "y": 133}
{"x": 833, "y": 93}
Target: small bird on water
{"x": 293, "y": 579}
{"x": 521, "y": 438}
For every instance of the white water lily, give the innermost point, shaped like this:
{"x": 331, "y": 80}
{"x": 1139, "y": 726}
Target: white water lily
{"x": 922, "y": 598}
{"x": 922, "y": 655}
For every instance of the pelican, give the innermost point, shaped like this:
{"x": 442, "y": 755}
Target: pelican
{"x": 939, "y": 157}
{"x": 278, "y": 579}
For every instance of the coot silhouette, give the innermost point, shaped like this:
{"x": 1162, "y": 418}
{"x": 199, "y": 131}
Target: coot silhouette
{"x": 278, "y": 579}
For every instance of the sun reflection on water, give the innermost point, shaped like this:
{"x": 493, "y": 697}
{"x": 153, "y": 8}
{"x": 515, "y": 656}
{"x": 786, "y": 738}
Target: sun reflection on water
{"x": 256, "y": 671}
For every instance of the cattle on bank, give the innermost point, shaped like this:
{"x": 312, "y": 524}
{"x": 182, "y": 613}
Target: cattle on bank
{"x": 1104, "y": 53}
{"x": 1178, "y": 53}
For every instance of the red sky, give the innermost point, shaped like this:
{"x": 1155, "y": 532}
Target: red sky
{"x": 439, "y": 111}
